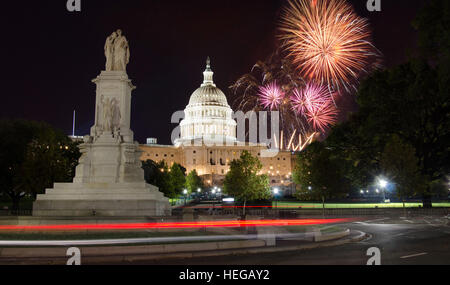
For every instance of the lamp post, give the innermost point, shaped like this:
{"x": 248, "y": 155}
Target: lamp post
{"x": 185, "y": 196}
{"x": 383, "y": 183}
{"x": 275, "y": 194}
{"x": 214, "y": 199}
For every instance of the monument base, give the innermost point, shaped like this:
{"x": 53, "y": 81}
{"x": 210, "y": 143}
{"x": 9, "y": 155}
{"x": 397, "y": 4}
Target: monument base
{"x": 102, "y": 199}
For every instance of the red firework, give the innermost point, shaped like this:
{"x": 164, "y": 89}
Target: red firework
{"x": 323, "y": 117}
{"x": 310, "y": 98}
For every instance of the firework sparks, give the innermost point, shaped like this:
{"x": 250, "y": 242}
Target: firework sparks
{"x": 271, "y": 96}
{"x": 327, "y": 41}
{"x": 323, "y": 117}
{"x": 310, "y": 98}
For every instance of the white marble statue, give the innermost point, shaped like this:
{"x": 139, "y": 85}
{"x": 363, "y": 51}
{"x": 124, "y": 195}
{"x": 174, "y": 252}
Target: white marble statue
{"x": 117, "y": 52}
{"x": 107, "y": 114}
{"x": 109, "y": 51}
{"x": 116, "y": 116}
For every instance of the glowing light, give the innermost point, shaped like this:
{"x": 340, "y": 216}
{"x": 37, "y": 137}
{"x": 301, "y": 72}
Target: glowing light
{"x": 228, "y": 199}
{"x": 327, "y": 41}
{"x": 271, "y": 95}
{"x": 310, "y": 98}
{"x": 323, "y": 117}
{"x": 383, "y": 183}
{"x": 172, "y": 225}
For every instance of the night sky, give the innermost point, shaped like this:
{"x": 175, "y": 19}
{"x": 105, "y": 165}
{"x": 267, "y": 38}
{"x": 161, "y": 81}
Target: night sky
{"x": 49, "y": 56}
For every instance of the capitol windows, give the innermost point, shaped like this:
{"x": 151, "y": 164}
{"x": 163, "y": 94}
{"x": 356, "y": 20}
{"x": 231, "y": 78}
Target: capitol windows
{"x": 194, "y": 161}
{"x": 194, "y": 152}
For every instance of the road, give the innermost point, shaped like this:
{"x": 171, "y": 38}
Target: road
{"x": 407, "y": 242}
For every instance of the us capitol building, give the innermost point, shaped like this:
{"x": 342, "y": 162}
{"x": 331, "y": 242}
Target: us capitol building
{"x": 208, "y": 141}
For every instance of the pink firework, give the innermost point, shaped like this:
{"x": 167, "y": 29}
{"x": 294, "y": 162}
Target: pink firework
{"x": 323, "y": 117}
{"x": 310, "y": 98}
{"x": 271, "y": 95}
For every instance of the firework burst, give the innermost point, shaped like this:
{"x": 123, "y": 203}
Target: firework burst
{"x": 327, "y": 41}
{"x": 323, "y": 117}
{"x": 271, "y": 96}
{"x": 309, "y": 98}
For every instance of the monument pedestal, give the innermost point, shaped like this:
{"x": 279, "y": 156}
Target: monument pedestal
{"x": 102, "y": 199}
{"x": 109, "y": 179}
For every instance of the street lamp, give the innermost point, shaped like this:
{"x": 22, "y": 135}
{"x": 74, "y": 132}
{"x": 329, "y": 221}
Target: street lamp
{"x": 383, "y": 183}
{"x": 275, "y": 194}
{"x": 185, "y": 195}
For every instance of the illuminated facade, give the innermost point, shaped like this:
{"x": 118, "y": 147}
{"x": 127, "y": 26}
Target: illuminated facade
{"x": 208, "y": 140}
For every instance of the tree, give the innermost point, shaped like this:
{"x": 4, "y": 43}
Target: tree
{"x": 33, "y": 156}
{"x": 412, "y": 101}
{"x": 407, "y": 101}
{"x": 193, "y": 181}
{"x": 400, "y": 164}
{"x": 170, "y": 181}
{"x": 177, "y": 176}
{"x": 157, "y": 173}
{"x": 244, "y": 182}
{"x": 319, "y": 175}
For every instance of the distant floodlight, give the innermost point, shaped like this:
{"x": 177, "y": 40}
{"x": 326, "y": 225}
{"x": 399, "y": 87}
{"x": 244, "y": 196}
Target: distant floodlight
{"x": 276, "y": 191}
{"x": 199, "y": 190}
{"x": 383, "y": 183}
{"x": 185, "y": 191}
{"x": 230, "y": 199}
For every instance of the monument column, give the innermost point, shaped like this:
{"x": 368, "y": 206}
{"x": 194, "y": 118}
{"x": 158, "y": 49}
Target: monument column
{"x": 109, "y": 179}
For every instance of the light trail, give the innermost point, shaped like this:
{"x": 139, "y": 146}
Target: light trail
{"x": 174, "y": 225}
{"x": 156, "y": 240}
{"x": 247, "y": 207}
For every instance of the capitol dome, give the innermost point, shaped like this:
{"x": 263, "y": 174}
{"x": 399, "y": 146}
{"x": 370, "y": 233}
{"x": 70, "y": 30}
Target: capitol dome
{"x": 208, "y": 115}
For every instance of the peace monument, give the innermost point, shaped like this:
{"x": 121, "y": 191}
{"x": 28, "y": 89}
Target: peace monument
{"x": 109, "y": 180}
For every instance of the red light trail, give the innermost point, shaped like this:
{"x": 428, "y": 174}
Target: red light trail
{"x": 174, "y": 225}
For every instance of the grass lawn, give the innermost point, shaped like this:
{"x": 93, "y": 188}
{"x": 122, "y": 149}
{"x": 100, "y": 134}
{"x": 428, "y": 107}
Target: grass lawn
{"x": 352, "y": 205}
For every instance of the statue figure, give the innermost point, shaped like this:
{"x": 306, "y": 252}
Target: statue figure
{"x": 107, "y": 114}
{"x": 116, "y": 116}
{"x": 109, "y": 51}
{"x": 117, "y": 52}
{"x": 121, "y": 52}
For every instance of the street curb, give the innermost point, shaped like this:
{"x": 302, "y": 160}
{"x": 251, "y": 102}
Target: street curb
{"x": 236, "y": 252}
{"x": 122, "y": 258}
